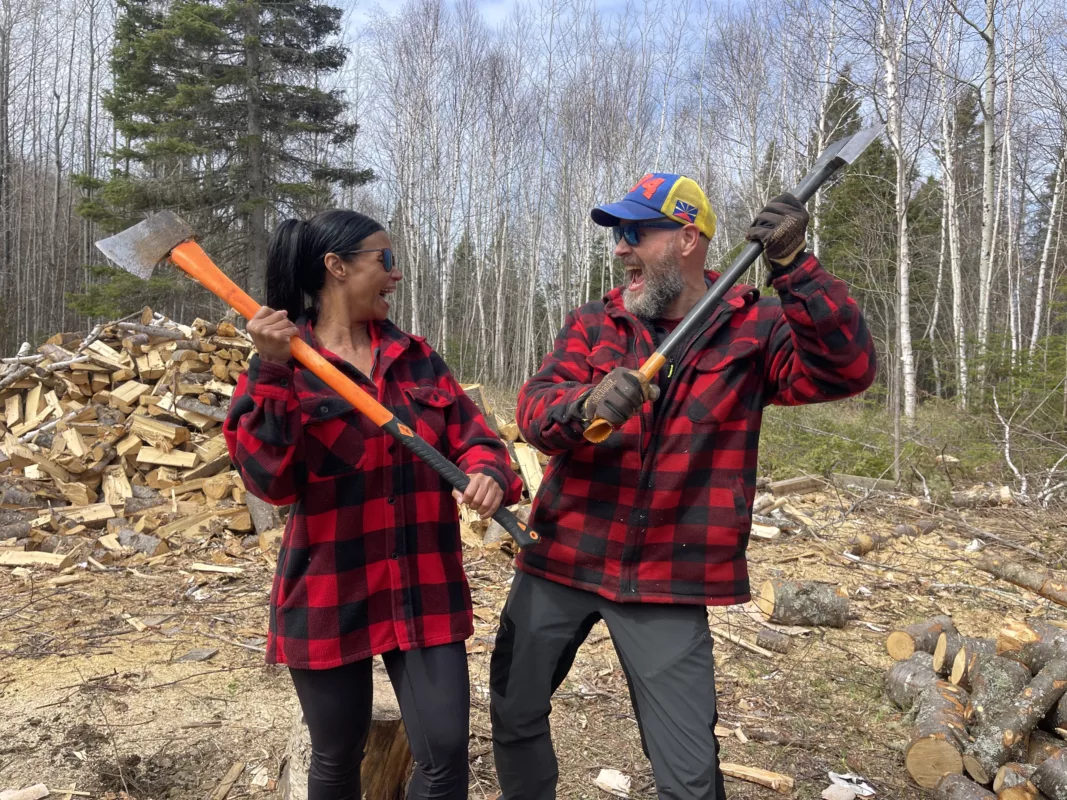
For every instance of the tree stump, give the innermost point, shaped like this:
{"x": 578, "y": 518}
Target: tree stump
{"x": 959, "y": 787}
{"x": 966, "y": 659}
{"x": 387, "y": 759}
{"x": 1034, "y": 643}
{"x": 1012, "y": 774}
{"x": 1051, "y": 777}
{"x": 803, "y": 603}
{"x": 1004, "y": 737}
{"x": 936, "y": 746}
{"x": 921, "y": 636}
{"x": 996, "y": 683}
{"x": 907, "y": 680}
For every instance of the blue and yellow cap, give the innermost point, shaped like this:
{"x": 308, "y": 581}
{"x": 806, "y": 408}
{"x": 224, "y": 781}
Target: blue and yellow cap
{"x": 660, "y": 194}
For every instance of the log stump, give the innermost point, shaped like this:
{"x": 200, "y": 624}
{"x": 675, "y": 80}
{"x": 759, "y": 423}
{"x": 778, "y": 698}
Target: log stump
{"x": 1003, "y": 739}
{"x": 936, "y": 746}
{"x": 1034, "y": 643}
{"x": 959, "y": 787}
{"x": 907, "y": 680}
{"x": 996, "y": 683}
{"x": 1051, "y": 777}
{"x": 966, "y": 660}
{"x": 803, "y": 603}
{"x": 1043, "y": 746}
{"x": 772, "y": 640}
{"x": 921, "y": 636}
{"x": 1012, "y": 774}
{"x": 387, "y": 758}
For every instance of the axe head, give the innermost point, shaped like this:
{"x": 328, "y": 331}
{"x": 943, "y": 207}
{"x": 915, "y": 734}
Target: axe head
{"x": 139, "y": 248}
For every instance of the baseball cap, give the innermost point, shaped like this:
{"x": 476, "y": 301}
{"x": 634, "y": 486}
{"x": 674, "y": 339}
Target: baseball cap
{"x": 660, "y": 194}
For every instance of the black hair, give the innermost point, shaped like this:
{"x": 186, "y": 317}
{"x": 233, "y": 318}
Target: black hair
{"x": 295, "y": 266}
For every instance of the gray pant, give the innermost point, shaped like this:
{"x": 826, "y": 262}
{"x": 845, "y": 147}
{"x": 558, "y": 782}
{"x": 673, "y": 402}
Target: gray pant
{"x": 666, "y": 654}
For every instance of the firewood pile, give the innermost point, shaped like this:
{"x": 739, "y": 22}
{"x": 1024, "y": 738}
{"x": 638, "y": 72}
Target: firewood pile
{"x": 990, "y": 714}
{"x": 113, "y": 448}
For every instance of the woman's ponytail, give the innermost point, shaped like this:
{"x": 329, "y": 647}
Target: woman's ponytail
{"x": 286, "y": 268}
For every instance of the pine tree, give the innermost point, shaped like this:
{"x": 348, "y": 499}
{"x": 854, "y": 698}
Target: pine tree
{"x": 219, "y": 108}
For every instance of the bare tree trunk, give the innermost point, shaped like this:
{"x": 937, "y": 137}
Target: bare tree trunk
{"x": 1039, "y": 301}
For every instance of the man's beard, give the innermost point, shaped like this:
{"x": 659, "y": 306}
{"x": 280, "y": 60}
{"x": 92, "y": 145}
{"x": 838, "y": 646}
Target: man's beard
{"x": 663, "y": 284}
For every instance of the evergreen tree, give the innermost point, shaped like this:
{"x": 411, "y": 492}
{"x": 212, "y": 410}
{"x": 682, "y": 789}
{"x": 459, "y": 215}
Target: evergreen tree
{"x": 222, "y": 118}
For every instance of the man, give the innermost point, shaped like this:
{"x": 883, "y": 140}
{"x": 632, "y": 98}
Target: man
{"x": 648, "y": 528}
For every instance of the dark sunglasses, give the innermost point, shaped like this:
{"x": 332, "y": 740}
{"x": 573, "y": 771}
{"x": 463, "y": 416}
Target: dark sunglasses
{"x": 631, "y": 231}
{"x": 387, "y": 255}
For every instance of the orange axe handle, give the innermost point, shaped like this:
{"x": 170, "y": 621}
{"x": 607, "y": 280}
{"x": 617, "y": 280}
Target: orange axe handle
{"x": 192, "y": 259}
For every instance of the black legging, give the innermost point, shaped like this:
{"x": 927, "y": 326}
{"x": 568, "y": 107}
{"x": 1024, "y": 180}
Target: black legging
{"x": 433, "y": 690}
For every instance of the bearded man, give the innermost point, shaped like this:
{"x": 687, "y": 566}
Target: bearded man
{"x": 648, "y": 528}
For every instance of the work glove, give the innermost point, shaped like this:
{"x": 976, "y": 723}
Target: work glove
{"x": 781, "y": 227}
{"x": 619, "y": 396}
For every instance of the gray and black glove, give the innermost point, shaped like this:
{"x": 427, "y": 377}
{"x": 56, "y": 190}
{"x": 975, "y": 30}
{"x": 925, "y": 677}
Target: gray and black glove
{"x": 619, "y": 396}
{"x": 781, "y": 226}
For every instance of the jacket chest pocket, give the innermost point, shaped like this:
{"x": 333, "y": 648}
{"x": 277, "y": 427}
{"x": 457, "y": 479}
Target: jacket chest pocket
{"x": 726, "y": 383}
{"x": 428, "y": 406}
{"x": 334, "y": 440}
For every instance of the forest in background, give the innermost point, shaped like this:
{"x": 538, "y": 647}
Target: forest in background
{"x": 483, "y": 147}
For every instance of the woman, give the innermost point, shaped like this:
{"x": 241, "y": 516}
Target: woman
{"x": 370, "y": 562}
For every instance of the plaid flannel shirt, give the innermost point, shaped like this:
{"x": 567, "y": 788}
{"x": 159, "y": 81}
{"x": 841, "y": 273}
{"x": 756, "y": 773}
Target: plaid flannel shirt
{"x": 661, "y": 511}
{"x": 371, "y": 557}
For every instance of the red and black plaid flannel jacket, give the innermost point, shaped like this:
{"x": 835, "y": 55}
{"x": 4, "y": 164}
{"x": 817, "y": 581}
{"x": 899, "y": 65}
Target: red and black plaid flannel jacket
{"x": 661, "y": 511}
{"x": 371, "y": 558}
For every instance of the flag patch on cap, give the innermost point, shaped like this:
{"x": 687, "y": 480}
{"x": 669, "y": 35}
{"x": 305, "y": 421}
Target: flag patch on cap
{"x": 685, "y": 211}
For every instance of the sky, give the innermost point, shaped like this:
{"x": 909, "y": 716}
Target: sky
{"x": 360, "y": 11}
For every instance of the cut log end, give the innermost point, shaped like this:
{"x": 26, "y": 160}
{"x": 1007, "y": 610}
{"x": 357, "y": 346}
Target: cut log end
{"x": 976, "y": 770}
{"x": 901, "y": 645}
{"x": 929, "y": 760}
{"x": 1012, "y": 774}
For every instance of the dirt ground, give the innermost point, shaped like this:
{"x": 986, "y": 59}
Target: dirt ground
{"x": 96, "y": 698}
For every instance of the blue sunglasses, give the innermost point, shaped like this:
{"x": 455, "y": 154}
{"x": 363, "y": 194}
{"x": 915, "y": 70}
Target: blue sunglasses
{"x": 387, "y": 255}
{"x": 631, "y": 231}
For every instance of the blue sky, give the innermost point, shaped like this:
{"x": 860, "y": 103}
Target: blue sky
{"x": 495, "y": 11}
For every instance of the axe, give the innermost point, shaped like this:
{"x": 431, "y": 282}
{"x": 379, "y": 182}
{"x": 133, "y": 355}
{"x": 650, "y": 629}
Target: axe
{"x": 836, "y": 155}
{"x": 165, "y": 235}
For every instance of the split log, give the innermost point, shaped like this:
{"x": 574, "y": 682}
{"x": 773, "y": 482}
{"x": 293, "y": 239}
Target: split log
{"x": 1033, "y": 643}
{"x": 264, "y": 515}
{"x": 958, "y": 787}
{"x": 805, "y": 484}
{"x": 907, "y": 680}
{"x": 387, "y": 757}
{"x": 142, "y": 543}
{"x": 1004, "y": 738}
{"x": 966, "y": 659}
{"x": 996, "y": 683}
{"x": 1040, "y": 582}
{"x": 1043, "y": 746}
{"x": 803, "y": 603}
{"x": 1012, "y": 774}
{"x": 772, "y": 640}
{"x": 1051, "y": 777}
{"x": 936, "y": 746}
{"x": 922, "y": 636}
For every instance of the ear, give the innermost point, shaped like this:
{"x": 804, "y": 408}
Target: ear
{"x": 690, "y": 240}
{"x": 335, "y": 265}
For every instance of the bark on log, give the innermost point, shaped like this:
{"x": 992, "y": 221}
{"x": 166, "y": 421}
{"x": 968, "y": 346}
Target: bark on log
{"x": 1057, "y": 717}
{"x": 982, "y": 496}
{"x": 996, "y": 683}
{"x": 1051, "y": 777}
{"x": 264, "y": 515}
{"x": 1004, "y": 738}
{"x": 143, "y": 543}
{"x": 772, "y": 640}
{"x": 966, "y": 660}
{"x": 1033, "y": 643}
{"x": 945, "y": 650}
{"x": 936, "y": 746}
{"x": 1012, "y": 774}
{"x": 1043, "y": 746}
{"x": 907, "y": 680}
{"x": 959, "y": 787}
{"x": 865, "y": 543}
{"x": 921, "y": 636}
{"x": 1039, "y": 581}
{"x": 387, "y": 757}
{"x": 803, "y": 603}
